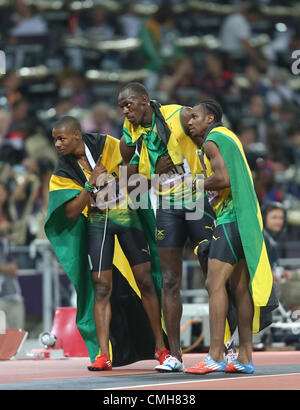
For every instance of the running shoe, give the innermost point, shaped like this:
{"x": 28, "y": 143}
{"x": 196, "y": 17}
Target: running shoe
{"x": 230, "y": 356}
{"x": 101, "y": 363}
{"x": 207, "y": 365}
{"x": 161, "y": 355}
{"x": 236, "y": 367}
{"x": 170, "y": 364}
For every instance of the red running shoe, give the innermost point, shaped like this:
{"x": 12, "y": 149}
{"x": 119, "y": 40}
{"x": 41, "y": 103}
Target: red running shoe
{"x": 101, "y": 363}
{"x": 208, "y": 365}
{"x": 161, "y": 355}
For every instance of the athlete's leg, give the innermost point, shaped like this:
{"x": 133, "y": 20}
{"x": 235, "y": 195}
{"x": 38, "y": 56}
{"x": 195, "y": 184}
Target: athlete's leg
{"x": 144, "y": 281}
{"x": 171, "y": 237}
{"x": 171, "y": 264}
{"x": 103, "y": 281}
{"x": 102, "y": 308}
{"x": 240, "y": 286}
{"x": 218, "y": 274}
{"x": 135, "y": 247}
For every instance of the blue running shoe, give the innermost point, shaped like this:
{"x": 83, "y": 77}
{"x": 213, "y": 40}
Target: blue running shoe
{"x": 236, "y": 367}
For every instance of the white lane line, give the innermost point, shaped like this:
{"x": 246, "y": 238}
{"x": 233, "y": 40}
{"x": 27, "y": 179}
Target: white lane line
{"x": 199, "y": 381}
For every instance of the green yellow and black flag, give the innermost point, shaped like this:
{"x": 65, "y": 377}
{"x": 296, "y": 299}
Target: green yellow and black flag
{"x": 250, "y": 225}
{"x": 131, "y": 337}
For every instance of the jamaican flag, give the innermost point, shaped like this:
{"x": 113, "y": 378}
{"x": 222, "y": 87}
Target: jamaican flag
{"x": 250, "y": 225}
{"x": 131, "y": 337}
{"x": 167, "y": 136}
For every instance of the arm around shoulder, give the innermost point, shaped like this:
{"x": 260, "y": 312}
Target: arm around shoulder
{"x": 127, "y": 151}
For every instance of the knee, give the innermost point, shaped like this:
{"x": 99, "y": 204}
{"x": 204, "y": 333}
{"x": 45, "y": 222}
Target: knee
{"x": 208, "y": 286}
{"x": 102, "y": 291}
{"x": 171, "y": 282}
{"x": 212, "y": 285}
{"x": 145, "y": 284}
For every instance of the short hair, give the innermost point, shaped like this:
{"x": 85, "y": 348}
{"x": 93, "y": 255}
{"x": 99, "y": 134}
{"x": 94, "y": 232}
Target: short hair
{"x": 68, "y": 122}
{"x": 269, "y": 206}
{"x": 212, "y": 107}
{"x": 137, "y": 88}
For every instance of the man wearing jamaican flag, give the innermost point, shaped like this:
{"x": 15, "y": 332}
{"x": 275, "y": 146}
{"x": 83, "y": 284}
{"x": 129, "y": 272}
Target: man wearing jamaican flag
{"x": 107, "y": 253}
{"x": 155, "y": 142}
{"x": 237, "y": 252}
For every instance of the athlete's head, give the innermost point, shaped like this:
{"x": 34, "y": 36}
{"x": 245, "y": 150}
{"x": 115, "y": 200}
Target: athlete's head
{"x": 66, "y": 134}
{"x": 202, "y": 117}
{"x": 133, "y": 99}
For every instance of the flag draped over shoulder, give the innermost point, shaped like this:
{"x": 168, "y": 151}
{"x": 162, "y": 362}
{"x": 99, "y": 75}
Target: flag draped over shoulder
{"x": 250, "y": 225}
{"x": 131, "y": 337}
{"x": 166, "y": 136}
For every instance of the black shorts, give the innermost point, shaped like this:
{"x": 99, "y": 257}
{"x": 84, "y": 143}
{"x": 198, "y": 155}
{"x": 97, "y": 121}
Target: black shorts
{"x": 132, "y": 241}
{"x": 226, "y": 244}
{"x": 173, "y": 228}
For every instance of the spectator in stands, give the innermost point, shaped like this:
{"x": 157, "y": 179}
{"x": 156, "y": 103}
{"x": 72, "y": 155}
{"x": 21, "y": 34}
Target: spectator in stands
{"x": 20, "y": 130}
{"x": 257, "y": 85}
{"x": 99, "y": 120}
{"x": 72, "y": 85}
{"x": 256, "y": 115}
{"x": 287, "y": 282}
{"x": 31, "y": 200}
{"x": 5, "y": 120}
{"x": 215, "y": 80}
{"x": 11, "y": 300}
{"x": 100, "y": 27}
{"x": 27, "y": 21}
{"x": 295, "y": 145}
{"x": 12, "y": 83}
{"x": 280, "y": 97}
{"x": 162, "y": 55}
{"x": 280, "y": 50}
{"x": 265, "y": 184}
{"x": 235, "y": 35}
{"x": 130, "y": 22}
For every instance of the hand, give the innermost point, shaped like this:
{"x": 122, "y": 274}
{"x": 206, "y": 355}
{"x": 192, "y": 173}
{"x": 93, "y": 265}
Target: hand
{"x": 164, "y": 164}
{"x": 198, "y": 183}
{"x": 97, "y": 171}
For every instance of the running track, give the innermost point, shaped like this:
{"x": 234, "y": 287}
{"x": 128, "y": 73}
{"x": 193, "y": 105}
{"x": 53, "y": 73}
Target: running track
{"x": 273, "y": 371}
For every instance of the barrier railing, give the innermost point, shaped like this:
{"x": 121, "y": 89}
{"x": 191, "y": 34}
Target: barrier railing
{"x": 45, "y": 263}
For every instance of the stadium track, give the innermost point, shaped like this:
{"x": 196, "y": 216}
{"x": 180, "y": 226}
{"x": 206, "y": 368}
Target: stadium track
{"x": 273, "y": 371}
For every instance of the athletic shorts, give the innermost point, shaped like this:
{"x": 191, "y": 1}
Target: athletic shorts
{"x": 132, "y": 241}
{"x": 173, "y": 228}
{"x": 226, "y": 244}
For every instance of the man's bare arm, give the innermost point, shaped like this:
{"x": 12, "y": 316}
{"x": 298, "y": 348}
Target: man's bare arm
{"x": 75, "y": 206}
{"x": 126, "y": 151}
{"x": 220, "y": 179}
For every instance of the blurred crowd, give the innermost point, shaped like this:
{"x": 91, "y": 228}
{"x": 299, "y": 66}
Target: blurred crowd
{"x": 68, "y": 61}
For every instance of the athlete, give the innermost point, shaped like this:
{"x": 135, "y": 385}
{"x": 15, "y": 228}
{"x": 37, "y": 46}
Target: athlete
{"x": 237, "y": 252}
{"x": 111, "y": 232}
{"x": 155, "y": 142}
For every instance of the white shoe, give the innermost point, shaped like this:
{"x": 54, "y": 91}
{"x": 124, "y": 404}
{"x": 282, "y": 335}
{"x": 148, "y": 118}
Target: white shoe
{"x": 171, "y": 364}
